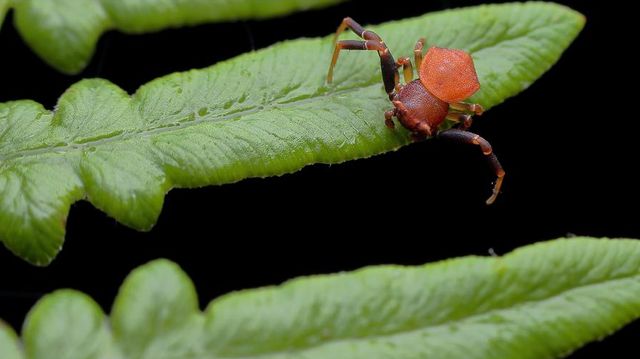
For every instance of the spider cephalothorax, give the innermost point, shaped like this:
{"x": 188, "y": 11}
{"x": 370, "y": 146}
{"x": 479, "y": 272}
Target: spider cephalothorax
{"x": 446, "y": 78}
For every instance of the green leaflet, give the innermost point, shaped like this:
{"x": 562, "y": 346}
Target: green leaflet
{"x": 4, "y": 6}
{"x": 261, "y": 114}
{"x": 539, "y": 302}
{"x": 64, "y": 33}
{"x": 79, "y": 332}
{"x": 8, "y": 343}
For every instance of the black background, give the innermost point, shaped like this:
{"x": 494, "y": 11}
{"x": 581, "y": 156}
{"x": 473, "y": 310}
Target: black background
{"x": 568, "y": 145}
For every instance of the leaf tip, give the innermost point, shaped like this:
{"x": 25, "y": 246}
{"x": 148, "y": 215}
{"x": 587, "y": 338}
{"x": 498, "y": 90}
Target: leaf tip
{"x": 37, "y": 255}
{"x": 579, "y": 18}
{"x": 161, "y": 264}
{"x": 53, "y": 302}
{"x": 170, "y": 272}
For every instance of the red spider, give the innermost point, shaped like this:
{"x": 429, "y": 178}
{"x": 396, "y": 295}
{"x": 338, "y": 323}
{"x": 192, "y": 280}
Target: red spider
{"x": 447, "y": 76}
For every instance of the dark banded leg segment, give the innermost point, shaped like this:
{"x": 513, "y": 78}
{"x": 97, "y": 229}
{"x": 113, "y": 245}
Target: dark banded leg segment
{"x": 461, "y": 136}
{"x": 349, "y": 23}
{"x": 372, "y": 42}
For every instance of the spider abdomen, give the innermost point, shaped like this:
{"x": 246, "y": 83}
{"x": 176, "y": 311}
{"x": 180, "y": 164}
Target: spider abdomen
{"x": 449, "y": 74}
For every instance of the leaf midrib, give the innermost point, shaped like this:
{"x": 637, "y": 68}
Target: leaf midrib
{"x": 124, "y": 136}
{"x": 445, "y": 323}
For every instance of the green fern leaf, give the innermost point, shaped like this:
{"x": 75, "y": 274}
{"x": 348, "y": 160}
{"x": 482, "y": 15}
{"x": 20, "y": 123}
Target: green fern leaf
{"x": 261, "y": 114}
{"x": 540, "y": 302}
{"x": 64, "y": 33}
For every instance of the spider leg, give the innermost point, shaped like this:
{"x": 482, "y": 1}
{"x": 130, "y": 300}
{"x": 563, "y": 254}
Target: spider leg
{"x": 388, "y": 118}
{"x": 372, "y": 41}
{"x": 469, "y": 107}
{"x": 349, "y": 23}
{"x": 463, "y": 120}
{"x": 407, "y": 68}
{"x": 417, "y": 51}
{"x": 461, "y": 136}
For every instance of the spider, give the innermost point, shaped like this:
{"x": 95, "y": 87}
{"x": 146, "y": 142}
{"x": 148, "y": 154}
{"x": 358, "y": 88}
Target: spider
{"x": 446, "y": 78}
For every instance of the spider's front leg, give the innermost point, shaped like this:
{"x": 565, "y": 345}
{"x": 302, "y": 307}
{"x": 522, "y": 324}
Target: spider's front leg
{"x": 461, "y": 136}
{"x": 372, "y": 41}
